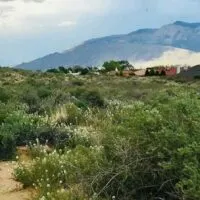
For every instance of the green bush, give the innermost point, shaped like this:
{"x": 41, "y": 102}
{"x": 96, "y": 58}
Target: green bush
{"x": 3, "y": 112}
{"x": 93, "y": 98}
{"x": 77, "y": 83}
{"x": 68, "y": 114}
{"x": 31, "y": 98}
{"x": 154, "y": 149}
{"x": 7, "y": 146}
{"x": 58, "y": 137}
{"x": 88, "y": 98}
{"x": 53, "y": 172}
{"x": 145, "y": 150}
{"x": 4, "y": 95}
{"x": 43, "y": 92}
{"x": 108, "y": 145}
{"x": 23, "y": 127}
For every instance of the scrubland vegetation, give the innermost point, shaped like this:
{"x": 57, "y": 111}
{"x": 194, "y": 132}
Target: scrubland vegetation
{"x": 108, "y": 137}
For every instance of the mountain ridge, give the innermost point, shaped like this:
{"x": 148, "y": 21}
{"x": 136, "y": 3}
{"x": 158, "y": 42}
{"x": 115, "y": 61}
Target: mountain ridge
{"x": 143, "y": 44}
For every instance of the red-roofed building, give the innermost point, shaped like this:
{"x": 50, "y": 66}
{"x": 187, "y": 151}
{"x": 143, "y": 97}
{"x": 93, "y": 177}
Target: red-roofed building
{"x": 167, "y": 71}
{"x": 171, "y": 71}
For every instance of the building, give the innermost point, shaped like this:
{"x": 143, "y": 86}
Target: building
{"x": 170, "y": 71}
{"x": 127, "y": 73}
{"x": 162, "y": 70}
{"x": 140, "y": 72}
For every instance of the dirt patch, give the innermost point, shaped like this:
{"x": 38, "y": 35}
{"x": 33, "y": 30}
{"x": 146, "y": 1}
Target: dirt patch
{"x": 9, "y": 188}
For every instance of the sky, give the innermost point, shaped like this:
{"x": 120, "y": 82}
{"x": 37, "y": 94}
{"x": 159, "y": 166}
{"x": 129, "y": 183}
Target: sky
{"x": 30, "y": 29}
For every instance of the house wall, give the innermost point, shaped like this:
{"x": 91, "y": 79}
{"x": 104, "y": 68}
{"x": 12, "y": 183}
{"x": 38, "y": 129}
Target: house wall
{"x": 127, "y": 73}
{"x": 140, "y": 72}
{"x": 171, "y": 71}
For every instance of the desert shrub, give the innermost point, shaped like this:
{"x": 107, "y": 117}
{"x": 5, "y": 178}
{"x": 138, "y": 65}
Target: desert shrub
{"x": 36, "y": 149}
{"x": 60, "y": 97}
{"x": 68, "y": 114}
{"x": 31, "y": 98}
{"x": 31, "y": 80}
{"x": 55, "y": 172}
{"x": 75, "y": 192}
{"x": 23, "y": 176}
{"x": 153, "y": 154}
{"x": 44, "y": 92}
{"x": 88, "y": 98}
{"x": 3, "y": 112}
{"x": 128, "y": 149}
{"x": 8, "y": 108}
{"x": 148, "y": 150}
{"x": 26, "y": 128}
{"x": 22, "y": 126}
{"x": 7, "y": 146}
{"x": 83, "y": 136}
{"x": 77, "y": 82}
{"x": 77, "y": 92}
{"x": 4, "y": 95}
{"x": 58, "y": 137}
{"x": 94, "y": 98}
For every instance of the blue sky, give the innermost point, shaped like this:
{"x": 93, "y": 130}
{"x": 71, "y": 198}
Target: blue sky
{"x": 33, "y": 28}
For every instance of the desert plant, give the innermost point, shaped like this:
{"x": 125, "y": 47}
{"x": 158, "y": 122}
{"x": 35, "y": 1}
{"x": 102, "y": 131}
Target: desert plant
{"x": 7, "y": 146}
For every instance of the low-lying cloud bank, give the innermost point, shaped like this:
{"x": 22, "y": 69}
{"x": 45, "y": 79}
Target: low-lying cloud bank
{"x": 172, "y": 57}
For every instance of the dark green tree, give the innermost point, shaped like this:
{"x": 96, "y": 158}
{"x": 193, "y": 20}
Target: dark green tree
{"x": 111, "y": 66}
{"x": 147, "y": 72}
{"x": 163, "y": 73}
{"x": 53, "y": 70}
{"x": 63, "y": 70}
{"x": 152, "y": 72}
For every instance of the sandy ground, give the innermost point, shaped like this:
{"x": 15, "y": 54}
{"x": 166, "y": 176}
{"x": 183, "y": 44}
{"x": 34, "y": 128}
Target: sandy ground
{"x": 9, "y": 188}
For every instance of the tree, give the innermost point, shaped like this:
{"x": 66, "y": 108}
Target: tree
{"x": 63, "y": 70}
{"x": 53, "y": 70}
{"x": 151, "y": 72}
{"x": 163, "y": 73}
{"x": 147, "y": 72}
{"x": 111, "y": 66}
{"x": 124, "y": 62}
{"x": 157, "y": 73}
{"x": 84, "y": 71}
{"x": 120, "y": 65}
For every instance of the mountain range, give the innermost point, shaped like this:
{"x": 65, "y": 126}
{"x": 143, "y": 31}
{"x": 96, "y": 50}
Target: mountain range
{"x": 180, "y": 40}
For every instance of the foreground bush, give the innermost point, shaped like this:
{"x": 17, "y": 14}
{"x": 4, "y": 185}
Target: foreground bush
{"x": 54, "y": 172}
{"x": 20, "y": 129}
{"x": 146, "y": 151}
{"x": 88, "y": 149}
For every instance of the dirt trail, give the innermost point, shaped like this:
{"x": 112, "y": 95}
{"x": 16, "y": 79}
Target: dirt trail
{"x": 9, "y": 188}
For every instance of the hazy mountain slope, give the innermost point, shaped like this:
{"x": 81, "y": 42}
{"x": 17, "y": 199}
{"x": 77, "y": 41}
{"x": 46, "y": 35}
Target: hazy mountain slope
{"x": 144, "y": 44}
{"x": 95, "y": 55}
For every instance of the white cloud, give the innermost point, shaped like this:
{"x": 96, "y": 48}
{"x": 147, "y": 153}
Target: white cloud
{"x": 66, "y": 23}
{"x": 18, "y": 16}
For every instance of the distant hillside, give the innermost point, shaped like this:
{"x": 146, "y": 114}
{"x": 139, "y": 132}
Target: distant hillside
{"x": 138, "y": 46}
